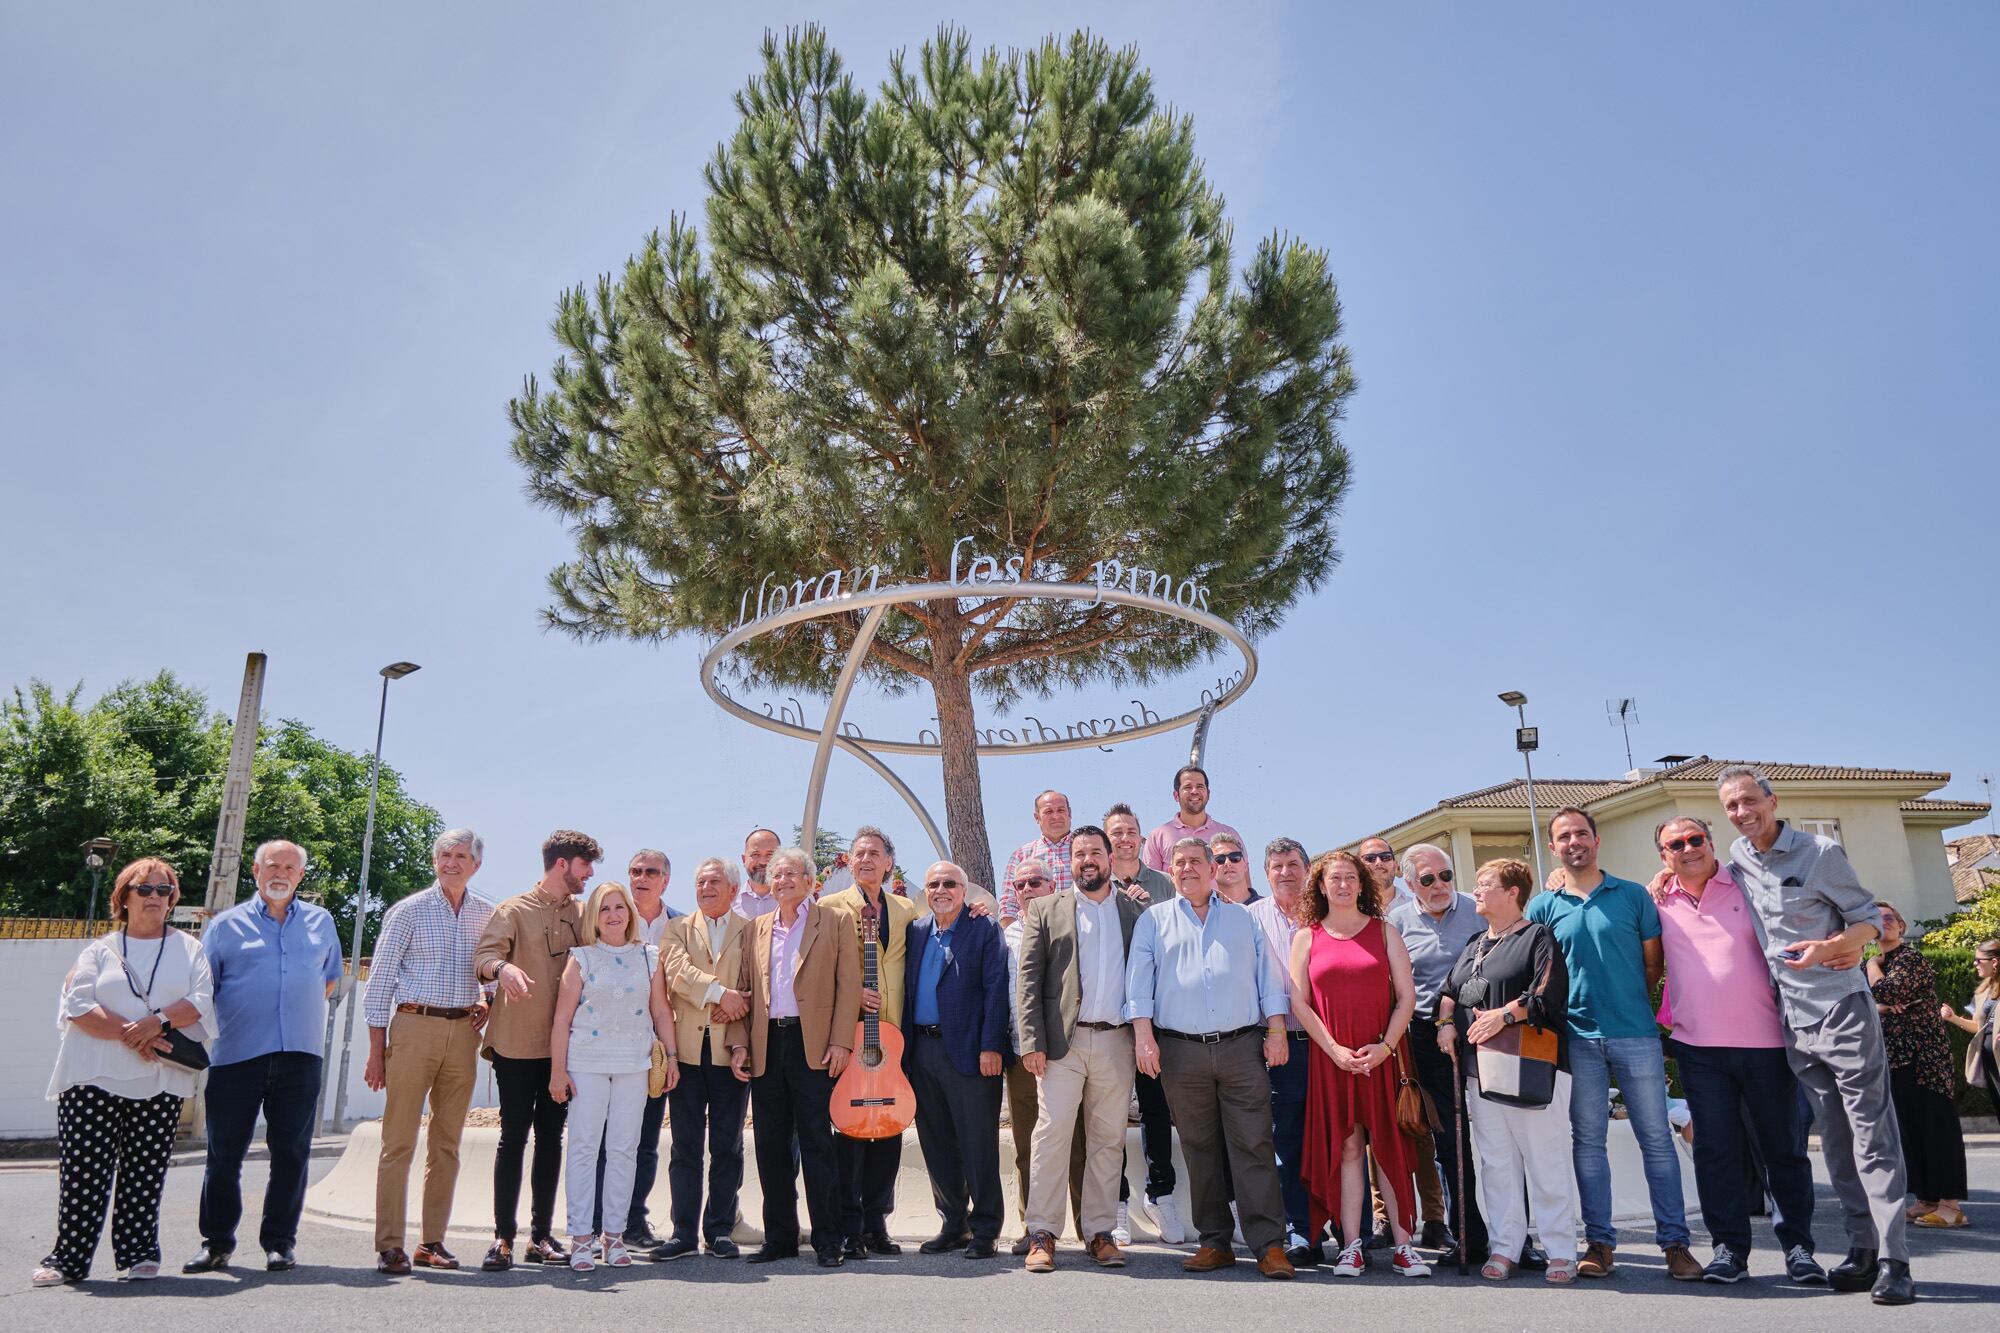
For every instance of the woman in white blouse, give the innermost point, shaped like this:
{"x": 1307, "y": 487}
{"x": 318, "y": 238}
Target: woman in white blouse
{"x": 611, "y": 1009}
{"x": 117, "y": 1091}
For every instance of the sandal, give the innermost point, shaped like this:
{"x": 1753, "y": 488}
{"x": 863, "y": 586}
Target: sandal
{"x": 615, "y": 1253}
{"x": 1942, "y": 1221}
{"x": 143, "y": 1271}
{"x": 1497, "y": 1269}
{"x": 47, "y": 1276}
{"x": 579, "y": 1256}
{"x": 1561, "y": 1271}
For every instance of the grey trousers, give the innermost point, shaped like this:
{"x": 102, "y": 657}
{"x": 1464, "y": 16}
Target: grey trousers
{"x": 1221, "y": 1099}
{"x": 1841, "y": 1064}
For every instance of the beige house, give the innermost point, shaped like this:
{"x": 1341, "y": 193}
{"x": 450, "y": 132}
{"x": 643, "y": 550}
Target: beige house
{"x": 1892, "y": 832}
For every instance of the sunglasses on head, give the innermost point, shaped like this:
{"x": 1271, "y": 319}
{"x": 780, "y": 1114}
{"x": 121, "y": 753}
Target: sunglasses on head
{"x": 152, "y": 890}
{"x": 1691, "y": 840}
{"x": 1376, "y": 858}
{"x": 1428, "y": 880}
{"x": 1228, "y": 858}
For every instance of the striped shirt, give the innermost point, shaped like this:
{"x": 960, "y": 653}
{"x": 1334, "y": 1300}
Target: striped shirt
{"x": 1055, "y": 855}
{"x": 425, "y": 955}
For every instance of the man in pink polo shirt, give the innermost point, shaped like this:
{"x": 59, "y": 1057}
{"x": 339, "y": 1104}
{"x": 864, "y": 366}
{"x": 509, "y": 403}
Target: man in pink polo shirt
{"x": 1192, "y": 821}
{"x": 1731, "y": 1052}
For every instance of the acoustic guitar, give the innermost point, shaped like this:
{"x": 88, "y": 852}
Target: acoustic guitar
{"x": 872, "y": 1098}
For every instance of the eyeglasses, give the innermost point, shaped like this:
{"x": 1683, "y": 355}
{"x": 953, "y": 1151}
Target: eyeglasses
{"x": 1428, "y": 880}
{"x": 1691, "y": 840}
{"x": 942, "y": 884}
{"x": 152, "y": 890}
{"x": 1030, "y": 882}
{"x": 1376, "y": 858}
{"x": 1228, "y": 858}
{"x": 644, "y": 872}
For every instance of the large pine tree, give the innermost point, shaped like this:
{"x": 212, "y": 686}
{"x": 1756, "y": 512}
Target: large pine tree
{"x": 994, "y": 300}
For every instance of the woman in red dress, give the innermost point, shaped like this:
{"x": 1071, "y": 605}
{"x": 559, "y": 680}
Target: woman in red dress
{"x": 1351, "y": 991}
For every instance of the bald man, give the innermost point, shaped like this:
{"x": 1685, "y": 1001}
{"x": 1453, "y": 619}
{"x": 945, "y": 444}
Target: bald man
{"x": 957, "y": 1019}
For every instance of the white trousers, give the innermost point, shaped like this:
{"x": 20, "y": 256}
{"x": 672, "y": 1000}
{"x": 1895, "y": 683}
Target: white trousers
{"x": 606, "y": 1111}
{"x": 1524, "y": 1160}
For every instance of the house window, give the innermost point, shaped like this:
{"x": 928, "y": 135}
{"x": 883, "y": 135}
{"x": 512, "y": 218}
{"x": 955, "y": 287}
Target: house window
{"x": 1829, "y": 828}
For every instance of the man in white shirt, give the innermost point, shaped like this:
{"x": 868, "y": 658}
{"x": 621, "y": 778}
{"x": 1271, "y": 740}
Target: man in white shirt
{"x": 1031, "y": 881}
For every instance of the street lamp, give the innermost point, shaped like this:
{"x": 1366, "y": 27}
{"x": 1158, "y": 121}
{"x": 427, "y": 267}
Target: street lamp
{"x": 97, "y": 854}
{"x": 1526, "y": 739}
{"x": 394, "y": 671}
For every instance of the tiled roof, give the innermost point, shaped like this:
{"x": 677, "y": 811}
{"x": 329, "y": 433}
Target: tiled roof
{"x": 1977, "y": 867}
{"x": 1550, "y": 793}
{"x": 1708, "y": 769}
{"x": 1949, "y": 807}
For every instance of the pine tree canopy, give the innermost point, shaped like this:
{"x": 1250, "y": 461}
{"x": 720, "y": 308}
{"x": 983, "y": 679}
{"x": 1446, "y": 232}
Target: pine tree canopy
{"x": 994, "y": 300}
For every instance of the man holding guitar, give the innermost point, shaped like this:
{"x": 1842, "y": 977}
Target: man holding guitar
{"x": 868, "y": 1166}
{"x": 805, "y": 996}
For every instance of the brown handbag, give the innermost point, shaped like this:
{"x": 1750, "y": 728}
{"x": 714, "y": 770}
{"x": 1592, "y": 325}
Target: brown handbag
{"x": 1411, "y": 1115}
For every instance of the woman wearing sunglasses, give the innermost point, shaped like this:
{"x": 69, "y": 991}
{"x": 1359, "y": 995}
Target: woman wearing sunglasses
{"x": 1921, "y": 1081}
{"x": 121, "y": 1075}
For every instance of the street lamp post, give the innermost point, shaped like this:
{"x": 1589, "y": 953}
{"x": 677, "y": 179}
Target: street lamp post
{"x": 394, "y": 671}
{"x": 97, "y": 854}
{"x": 1526, "y": 740}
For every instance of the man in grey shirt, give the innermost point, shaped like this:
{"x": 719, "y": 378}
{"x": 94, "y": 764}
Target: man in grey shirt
{"x": 1436, "y": 924}
{"x": 1815, "y": 918}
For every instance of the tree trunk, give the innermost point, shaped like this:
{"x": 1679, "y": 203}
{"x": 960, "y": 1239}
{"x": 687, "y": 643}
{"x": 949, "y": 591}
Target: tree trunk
{"x": 964, "y": 807}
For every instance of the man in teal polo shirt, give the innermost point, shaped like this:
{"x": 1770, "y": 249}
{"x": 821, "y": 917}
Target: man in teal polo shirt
{"x": 1609, "y": 931}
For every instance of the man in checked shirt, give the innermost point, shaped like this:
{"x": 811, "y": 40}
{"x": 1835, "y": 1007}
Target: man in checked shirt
{"x": 424, "y": 1013}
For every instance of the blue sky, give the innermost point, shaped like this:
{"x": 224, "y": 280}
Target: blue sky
{"x": 1673, "y": 330}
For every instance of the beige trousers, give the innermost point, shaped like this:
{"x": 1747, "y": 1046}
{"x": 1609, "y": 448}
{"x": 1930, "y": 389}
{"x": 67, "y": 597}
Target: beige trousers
{"x": 438, "y": 1059}
{"x": 1096, "y": 1077}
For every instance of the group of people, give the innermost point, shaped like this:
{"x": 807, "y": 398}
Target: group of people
{"x": 1348, "y": 1035}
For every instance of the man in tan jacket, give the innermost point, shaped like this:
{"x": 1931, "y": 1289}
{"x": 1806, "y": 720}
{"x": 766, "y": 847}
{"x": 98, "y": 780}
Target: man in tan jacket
{"x": 523, "y": 952}
{"x": 707, "y": 962}
{"x": 805, "y": 998}
{"x": 1074, "y": 1038}
{"x": 868, "y": 1167}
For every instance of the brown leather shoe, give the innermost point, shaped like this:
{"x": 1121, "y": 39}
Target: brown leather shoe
{"x": 499, "y": 1258}
{"x": 433, "y": 1254}
{"x": 1207, "y": 1259}
{"x": 548, "y": 1250}
{"x": 1596, "y": 1261}
{"x": 393, "y": 1262}
{"x": 1042, "y": 1252}
{"x": 1275, "y": 1264}
{"x": 1105, "y": 1250}
{"x": 1681, "y": 1265}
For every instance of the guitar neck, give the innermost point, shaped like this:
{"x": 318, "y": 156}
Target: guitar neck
{"x": 871, "y": 1022}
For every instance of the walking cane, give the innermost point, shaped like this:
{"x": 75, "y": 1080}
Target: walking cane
{"x": 1459, "y": 1134}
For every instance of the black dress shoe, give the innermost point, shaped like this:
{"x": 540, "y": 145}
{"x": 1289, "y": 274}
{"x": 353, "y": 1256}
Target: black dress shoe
{"x": 723, "y": 1248}
{"x": 979, "y": 1248}
{"x": 944, "y": 1243}
{"x": 1306, "y": 1256}
{"x": 765, "y": 1254}
{"x": 208, "y": 1261}
{"x": 1893, "y": 1285}
{"x": 280, "y": 1261}
{"x": 853, "y": 1248}
{"x": 642, "y": 1239}
{"x": 1856, "y": 1272}
{"x": 832, "y": 1258}
{"x": 1532, "y": 1258}
{"x": 878, "y": 1242}
{"x": 1437, "y": 1236}
{"x": 679, "y": 1247}
{"x": 499, "y": 1257}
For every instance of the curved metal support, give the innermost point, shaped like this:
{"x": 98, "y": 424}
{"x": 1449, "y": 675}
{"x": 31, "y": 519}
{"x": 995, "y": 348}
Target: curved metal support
{"x": 1199, "y": 746}
{"x": 835, "y": 706}
{"x": 902, "y": 789}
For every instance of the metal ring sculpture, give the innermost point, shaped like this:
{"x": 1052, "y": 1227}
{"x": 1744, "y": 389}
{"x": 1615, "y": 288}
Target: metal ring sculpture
{"x": 877, "y": 603}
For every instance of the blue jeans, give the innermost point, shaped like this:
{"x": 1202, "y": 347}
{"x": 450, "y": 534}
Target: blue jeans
{"x": 1641, "y": 1068}
{"x": 1727, "y": 1086}
{"x": 1288, "y": 1135}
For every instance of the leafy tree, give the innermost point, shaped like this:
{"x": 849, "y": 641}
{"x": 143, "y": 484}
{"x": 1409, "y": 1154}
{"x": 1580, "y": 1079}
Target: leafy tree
{"x": 1964, "y": 929}
{"x": 996, "y": 300}
{"x": 145, "y": 765}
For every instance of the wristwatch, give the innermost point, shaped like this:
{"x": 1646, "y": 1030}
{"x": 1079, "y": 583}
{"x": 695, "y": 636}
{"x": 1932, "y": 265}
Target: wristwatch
{"x": 1507, "y": 1016}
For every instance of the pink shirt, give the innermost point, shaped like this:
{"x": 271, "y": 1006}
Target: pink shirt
{"x": 1160, "y": 842}
{"x": 1719, "y": 989}
{"x": 783, "y": 1003}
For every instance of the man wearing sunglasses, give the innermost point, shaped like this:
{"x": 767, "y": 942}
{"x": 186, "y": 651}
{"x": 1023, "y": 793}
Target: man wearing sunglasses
{"x": 1232, "y": 870}
{"x": 1380, "y": 859}
{"x": 1730, "y": 1047}
{"x": 1436, "y": 924}
{"x": 1031, "y": 880}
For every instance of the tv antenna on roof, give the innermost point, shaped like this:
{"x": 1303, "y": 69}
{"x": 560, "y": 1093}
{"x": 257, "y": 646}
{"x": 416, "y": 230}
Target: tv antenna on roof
{"x": 1623, "y": 713}
{"x": 1986, "y": 781}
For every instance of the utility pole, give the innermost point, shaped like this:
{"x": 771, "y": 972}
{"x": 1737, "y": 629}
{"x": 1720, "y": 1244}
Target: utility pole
{"x": 227, "y": 862}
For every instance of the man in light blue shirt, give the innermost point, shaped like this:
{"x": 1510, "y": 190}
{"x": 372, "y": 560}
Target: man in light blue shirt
{"x": 275, "y": 961}
{"x": 1201, "y": 986}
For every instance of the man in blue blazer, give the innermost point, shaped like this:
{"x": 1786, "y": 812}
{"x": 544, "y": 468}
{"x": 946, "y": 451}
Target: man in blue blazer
{"x": 956, "y": 1023}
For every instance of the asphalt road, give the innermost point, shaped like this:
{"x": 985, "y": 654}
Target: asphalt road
{"x": 335, "y": 1287}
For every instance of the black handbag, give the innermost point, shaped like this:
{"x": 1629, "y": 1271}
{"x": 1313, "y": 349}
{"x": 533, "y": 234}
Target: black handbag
{"x": 183, "y": 1050}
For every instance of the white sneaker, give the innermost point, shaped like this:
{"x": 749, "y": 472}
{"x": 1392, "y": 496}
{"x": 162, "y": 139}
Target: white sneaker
{"x": 144, "y": 1271}
{"x": 1351, "y": 1261}
{"x": 1236, "y": 1224}
{"x": 1121, "y": 1230}
{"x": 1407, "y": 1263}
{"x": 1167, "y": 1220}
